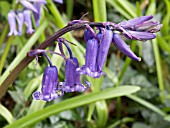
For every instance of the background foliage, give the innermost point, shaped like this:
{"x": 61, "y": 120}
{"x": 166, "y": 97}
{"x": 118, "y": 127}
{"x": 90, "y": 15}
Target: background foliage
{"x": 109, "y": 102}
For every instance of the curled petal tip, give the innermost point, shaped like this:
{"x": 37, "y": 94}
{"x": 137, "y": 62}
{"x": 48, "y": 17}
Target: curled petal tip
{"x": 139, "y": 59}
{"x": 37, "y": 95}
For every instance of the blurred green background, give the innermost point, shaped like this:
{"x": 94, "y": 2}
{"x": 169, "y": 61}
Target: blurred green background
{"x": 109, "y": 103}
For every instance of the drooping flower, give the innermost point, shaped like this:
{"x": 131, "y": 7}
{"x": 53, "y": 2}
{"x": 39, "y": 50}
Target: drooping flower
{"x": 123, "y": 47}
{"x": 20, "y": 19}
{"x": 90, "y": 67}
{"x": 28, "y": 22}
{"x": 49, "y": 83}
{"x": 104, "y": 46}
{"x": 72, "y": 81}
{"x": 12, "y": 23}
{"x": 37, "y": 15}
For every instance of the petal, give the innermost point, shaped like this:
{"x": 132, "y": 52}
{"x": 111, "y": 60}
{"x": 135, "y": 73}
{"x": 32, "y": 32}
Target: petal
{"x": 28, "y": 22}
{"x": 91, "y": 54}
{"x": 123, "y": 47}
{"x": 12, "y": 23}
{"x": 155, "y": 29}
{"x": 71, "y": 71}
{"x": 28, "y": 5}
{"x": 39, "y": 1}
{"x": 146, "y": 25}
{"x": 58, "y": 1}
{"x": 135, "y": 21}
{"x": 104, "y": 48}
{"x": 50, "y": 80}
{"x": 20, "y": 21}
{"x": 142, "y": 35}
{"x": 38, "y": 14}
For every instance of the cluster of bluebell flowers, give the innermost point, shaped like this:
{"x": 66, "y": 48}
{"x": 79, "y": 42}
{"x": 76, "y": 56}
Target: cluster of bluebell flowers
{"x": 98, "y": 42}
{"x": 19, "y": 17}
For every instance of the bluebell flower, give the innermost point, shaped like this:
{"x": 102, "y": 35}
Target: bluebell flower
{"x": 38, "y": 14}
{"x": 12, "y": 23}
{"x": 104, "y": 45}
{"x": 90, "y": 67}
{"x": 28, "y": 22}
{"x": 30, "y": 6}
{"x": 49, "y": 83}
{"x": 123, "y": 47}
{"x": 72, "y": 81}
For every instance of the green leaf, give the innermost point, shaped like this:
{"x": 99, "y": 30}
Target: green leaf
{"x": 4, "y": 8}
{"x": 6, "y": 114}
{"x": 128, "y": 7}
{"x": 146, "y": 104}
{"x": 159, "y": 69}
{"x": 73, "y": 103}
{"x": 167, "y": 118}
{"x": 32, "y": 85}
{"x": 163, "y": 44}
{"x": 152, "y": 8}
{"x": 119, "y": 8}
{"x": 99, "y": 8}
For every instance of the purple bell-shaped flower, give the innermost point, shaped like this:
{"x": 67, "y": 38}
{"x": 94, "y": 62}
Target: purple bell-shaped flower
{"x": 49, "y": 83}
{"x": 12, "y": 23}
{"x": 90, "y": 67}
{"x": 28, "y": 22}
{"x": 104, "y": 45}
{"x": 72, "y": 82}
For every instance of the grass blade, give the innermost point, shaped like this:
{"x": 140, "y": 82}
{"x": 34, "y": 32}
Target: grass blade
{"x": 73, "y": 103}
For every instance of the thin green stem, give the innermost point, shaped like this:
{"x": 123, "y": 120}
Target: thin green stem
{"x": 120, "y": 76}
{"x": 4, "y": 34}
{"x": 159, "y": 70}
{"x": 127, "y": 63}
{"x": 5, "y": 53}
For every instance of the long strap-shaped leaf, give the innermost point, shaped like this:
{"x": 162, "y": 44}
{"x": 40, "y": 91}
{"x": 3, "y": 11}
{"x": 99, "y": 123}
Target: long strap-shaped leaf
{"x": 72, "y": 103}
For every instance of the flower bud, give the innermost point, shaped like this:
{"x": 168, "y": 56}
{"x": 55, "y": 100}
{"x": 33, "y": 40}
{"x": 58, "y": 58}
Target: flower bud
{"x": 130, "y": 24}
{"x": 123, "y": 47}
